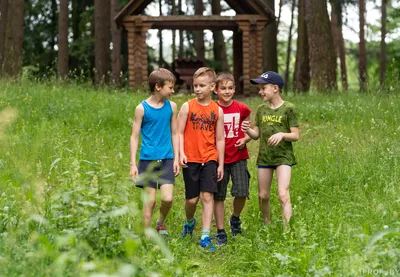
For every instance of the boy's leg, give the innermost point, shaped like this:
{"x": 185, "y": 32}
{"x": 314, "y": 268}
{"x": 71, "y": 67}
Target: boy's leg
{"x": 207, "y": 200}
{"x": 264, "y": 192}
{"x": 283, "y": 175}
{"x": 240, "y": 190}
{"x": 166, "y": 191}
{"x": 148, "y": 205}
{"x": 219, "y": 198}
{"x": 208, "y": 186}
{"x": 192, "y": 192}
{"x": 240, "y": 186}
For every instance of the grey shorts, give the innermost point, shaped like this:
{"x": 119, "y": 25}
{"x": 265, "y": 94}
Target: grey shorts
{"x": 155, "y": 173}
{"x": 240, "y": 180}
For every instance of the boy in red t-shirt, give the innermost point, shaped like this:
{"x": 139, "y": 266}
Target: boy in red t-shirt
{"x": 236, "y": 155}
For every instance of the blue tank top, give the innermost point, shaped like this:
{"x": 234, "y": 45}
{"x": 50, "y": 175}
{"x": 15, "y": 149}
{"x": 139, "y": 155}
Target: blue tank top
{"x": 156, "y": 132}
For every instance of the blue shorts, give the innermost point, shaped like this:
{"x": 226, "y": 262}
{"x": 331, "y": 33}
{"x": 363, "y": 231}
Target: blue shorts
{"x": 155, "y": 173}
{"x": 273, "y": 166}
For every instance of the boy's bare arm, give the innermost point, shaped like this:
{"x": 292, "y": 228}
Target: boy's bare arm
{"x": 220, "y": 143}
{"x": 182, "y": 118}
{"x": 139, "y": 112}
{"x": 253, "y": 132}
{"x": 175, "y": 137}
{"x": 278, "y": 137}
{"x": 240, "y": 143}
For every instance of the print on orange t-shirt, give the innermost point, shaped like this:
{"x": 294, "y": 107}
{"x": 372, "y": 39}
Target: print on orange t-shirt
{"x": 199, "y": 145}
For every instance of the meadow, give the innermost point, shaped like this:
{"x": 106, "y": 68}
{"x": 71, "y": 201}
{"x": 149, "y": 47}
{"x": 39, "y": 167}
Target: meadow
{"x": 67, "y": 207}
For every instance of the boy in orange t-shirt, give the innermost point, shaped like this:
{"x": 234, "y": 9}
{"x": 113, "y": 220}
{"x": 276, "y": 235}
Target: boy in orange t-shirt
{"x": 201, "y": 147}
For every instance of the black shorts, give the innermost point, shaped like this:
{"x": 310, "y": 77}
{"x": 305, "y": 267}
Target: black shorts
{"x": 240, "y": 180}
{"x": 200, "y": 177}
{"x": 155, "y": 173}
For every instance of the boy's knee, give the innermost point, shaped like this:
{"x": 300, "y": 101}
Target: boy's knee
{"x": 192, "y": 201}
{"x": 167, "y": 201}
{"x": 283, "y": 196}
{"x": 263, "y": 195}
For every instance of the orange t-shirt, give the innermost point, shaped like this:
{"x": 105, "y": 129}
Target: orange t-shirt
{"x": 200, "y": 131}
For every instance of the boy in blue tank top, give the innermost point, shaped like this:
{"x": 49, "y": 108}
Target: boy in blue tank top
{"x": 155, "y": 120}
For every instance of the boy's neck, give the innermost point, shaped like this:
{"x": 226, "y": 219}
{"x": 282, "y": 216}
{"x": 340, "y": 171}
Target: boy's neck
{"x": 224, "y": 103}
{"x": 276, "y": 102}
{"x": 156, "y": 99}
{"x": 204, "y": 102}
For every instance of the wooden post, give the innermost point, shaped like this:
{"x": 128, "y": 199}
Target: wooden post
{"x": 137, "y": 49}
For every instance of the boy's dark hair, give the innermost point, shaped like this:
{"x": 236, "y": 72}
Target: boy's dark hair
{"x": 224, "y": 77}
{"x": 205, "y": 71}
{"x": 159, "y": 77}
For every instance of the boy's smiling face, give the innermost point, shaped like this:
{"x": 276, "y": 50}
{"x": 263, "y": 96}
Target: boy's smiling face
{"x": 267, "y": 91}
{"x": 166, "y": 90}
{"x": 202, "y": 86}
{"x": 225, "y": 91}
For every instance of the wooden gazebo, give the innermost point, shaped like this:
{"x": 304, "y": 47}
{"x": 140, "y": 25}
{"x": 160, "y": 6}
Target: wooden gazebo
{"x": 247, "y": 25}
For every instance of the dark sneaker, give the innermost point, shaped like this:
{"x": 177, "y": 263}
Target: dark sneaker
{"x": 187, "y": 229}
{"x": 162, "y": 230}
{"x": 235, "y": 226}
{"x": 221, "y": 238}
{"x": 207, "y": 244}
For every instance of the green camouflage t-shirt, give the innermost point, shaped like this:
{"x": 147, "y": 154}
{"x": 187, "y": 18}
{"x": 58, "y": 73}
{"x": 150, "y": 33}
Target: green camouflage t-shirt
{"x": 270, "y": 122}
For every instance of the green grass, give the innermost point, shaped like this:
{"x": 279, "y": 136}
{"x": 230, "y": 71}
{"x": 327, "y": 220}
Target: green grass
{"x": 67, "y": 207}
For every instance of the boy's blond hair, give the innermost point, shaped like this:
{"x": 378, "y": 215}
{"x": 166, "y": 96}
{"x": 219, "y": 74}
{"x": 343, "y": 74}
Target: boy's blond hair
{"x": 205, "y": 71}
{"x": 224, "y": 77}
{"x": 160, "y": 77}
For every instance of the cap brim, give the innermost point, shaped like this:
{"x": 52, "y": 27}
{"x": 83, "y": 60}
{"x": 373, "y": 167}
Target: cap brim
{"x": 258, "y": 81}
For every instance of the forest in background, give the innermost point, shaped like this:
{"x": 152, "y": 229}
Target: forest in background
{"x": 62, "y": 39}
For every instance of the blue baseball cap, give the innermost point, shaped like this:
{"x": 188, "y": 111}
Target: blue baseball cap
{"x": 269, "y": 77}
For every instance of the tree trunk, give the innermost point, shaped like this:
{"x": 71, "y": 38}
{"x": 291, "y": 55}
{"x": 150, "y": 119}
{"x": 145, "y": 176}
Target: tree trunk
{"x": 301, "y": 78}
{"x": 279, "y": 14}
{"x": 383, "y": 44}
{"x": 14, "y": 38}
{"x": 102, "y": 40}
{"x": 338, "y": 41}
{"x": 219, "y": 43}
{"x": 289, "y": 47}
{"x": 116, "y": 42}
{"x": 321, "y": 52}
{"x": 3, "y": 30}
{"x": 63, "y": 39}
{"x": 270, "y": 54}
{"x": 199, "y": 35}
{"x": 362, "y": 66}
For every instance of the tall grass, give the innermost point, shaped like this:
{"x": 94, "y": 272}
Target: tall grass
{"x": 67, "y": 207}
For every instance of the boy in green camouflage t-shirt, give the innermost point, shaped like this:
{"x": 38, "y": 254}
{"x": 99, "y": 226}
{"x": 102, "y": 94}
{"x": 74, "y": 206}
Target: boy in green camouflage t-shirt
{"x": 276, "y": 125}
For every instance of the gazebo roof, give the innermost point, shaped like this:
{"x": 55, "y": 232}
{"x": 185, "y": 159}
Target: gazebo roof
{"x": 136, "y": 7}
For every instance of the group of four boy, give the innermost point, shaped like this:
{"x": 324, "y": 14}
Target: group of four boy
{"x": 208, "y": 140}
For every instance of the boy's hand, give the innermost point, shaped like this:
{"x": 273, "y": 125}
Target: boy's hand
{"x": 133, "y": 172}
{"x": 183, "y": 160}
{"x": 275, "y": 139}
{"x": 177, "y": 168}
{"x": 246, "y": 125}
{"x": 220, "y": 173}
{"x": 240, "y": 143}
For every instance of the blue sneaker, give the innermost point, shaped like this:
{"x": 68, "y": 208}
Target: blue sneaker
{"x": 235, "y": 226}
{"x": 187, "y": 229}
{"x": 207, "y": 244}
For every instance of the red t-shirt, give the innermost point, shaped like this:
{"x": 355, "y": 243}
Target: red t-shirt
{"x": 233, "y": 118}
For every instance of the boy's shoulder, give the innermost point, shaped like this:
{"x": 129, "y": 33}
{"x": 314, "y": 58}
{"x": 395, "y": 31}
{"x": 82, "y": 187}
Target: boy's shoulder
{"x": 289, "y": 105}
